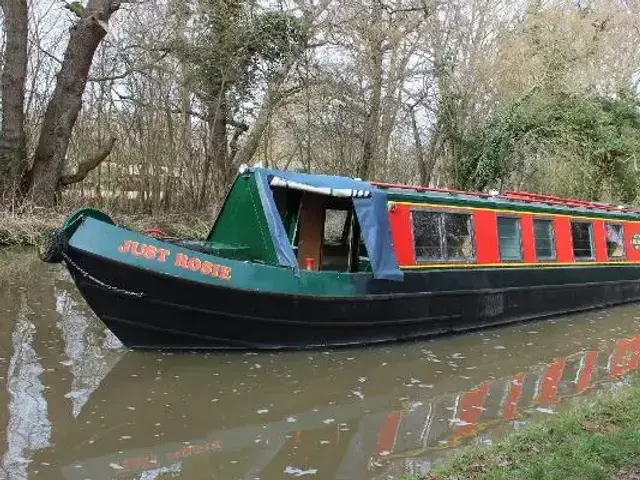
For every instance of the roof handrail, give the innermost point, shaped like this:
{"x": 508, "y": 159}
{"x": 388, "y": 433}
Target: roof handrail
{"x": 554, "y": 199}
{"x": 420, "y": 188}
{"x": 513, "y": 195}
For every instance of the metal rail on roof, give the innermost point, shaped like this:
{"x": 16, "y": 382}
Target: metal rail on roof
{"x": 430, "y": 189}
{"x": 528, "y": 197}
{"x": 555, "y": 200}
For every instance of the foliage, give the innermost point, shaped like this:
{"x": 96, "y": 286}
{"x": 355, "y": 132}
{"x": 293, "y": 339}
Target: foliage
{"x": 599, "y": 136}
{"x": 234, "y": 47}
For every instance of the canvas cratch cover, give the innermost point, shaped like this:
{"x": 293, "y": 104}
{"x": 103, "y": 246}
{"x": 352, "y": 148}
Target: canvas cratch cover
{"x": 370, "y": 206}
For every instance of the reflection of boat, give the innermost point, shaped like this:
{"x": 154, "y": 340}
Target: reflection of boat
{"x": 403, "y": 262}
{"x": 499, "y": 400}
{"x": 196, "y": 416}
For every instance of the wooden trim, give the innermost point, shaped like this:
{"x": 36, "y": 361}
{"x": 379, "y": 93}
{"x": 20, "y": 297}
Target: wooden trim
{"x": 311, "y": 230}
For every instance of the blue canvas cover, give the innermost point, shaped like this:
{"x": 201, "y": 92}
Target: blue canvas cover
{"x": 371, "y": 212}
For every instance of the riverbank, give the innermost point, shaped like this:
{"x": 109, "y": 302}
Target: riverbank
{"x": 599, "y": 439}
{"x": 26, "y": 229}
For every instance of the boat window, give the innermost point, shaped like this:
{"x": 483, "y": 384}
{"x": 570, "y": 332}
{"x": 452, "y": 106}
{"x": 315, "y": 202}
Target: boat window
{"x": 544, "y": 241}
{"x": 335, "y": 226}
{"x": 288, "y": 205}
{"x": 442, "y": 236}
{"x": 337, "y": 244}
{"x": 509, "y": 239}
{"x": 582, "y": 240}
{"x": 427, "y": 235}
{"x": 615, "y": 241}
{"x": 458, "y": 243}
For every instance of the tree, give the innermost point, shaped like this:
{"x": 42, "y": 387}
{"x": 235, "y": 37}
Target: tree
{"x": 14, "y": 74}
{"x": 65, "y": 104}
{"x": 235, "y": 47}
{"x": 596, "y": 137}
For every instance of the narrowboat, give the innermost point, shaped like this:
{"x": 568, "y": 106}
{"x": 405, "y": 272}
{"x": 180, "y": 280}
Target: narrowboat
{"x": 299, "y": 260}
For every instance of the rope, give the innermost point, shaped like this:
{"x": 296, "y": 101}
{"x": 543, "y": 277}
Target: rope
{"x": 98, "y": 282}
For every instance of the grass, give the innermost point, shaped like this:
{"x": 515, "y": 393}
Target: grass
{"x": 595, "y": 440}
{"x": 27, "y": 228}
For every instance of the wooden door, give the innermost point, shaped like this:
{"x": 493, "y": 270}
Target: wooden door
{"x": 311, "y": 230}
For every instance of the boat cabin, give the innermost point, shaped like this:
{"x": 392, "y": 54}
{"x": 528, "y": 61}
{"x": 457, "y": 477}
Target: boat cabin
{"x": 310, "y": 222}
{"x": 320, "y": 222}
{"x": 449, "y": 229}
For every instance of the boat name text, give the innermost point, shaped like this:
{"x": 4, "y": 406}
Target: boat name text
{"x": 186, "y": 262}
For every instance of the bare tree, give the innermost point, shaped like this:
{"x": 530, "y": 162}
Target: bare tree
{"x": 66, "y": 101}
{"x": 383, "y": 89}
{"x": 14, "y": 75}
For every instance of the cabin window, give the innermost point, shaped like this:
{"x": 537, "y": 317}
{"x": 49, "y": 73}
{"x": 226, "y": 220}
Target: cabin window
{"x": 288, "y": 205}
{"x": 615, "y": 241}
{"x": 337, "y": 244}
{"x": 509, "y": 239}
{"x": 442, "y": 236}
{"x": 544, "y": 241}
{"x": 426, "y": 235}
{"x": 582, "y": 236}
{"x": 336, "y": 226}
{"x": 458, "y": 244}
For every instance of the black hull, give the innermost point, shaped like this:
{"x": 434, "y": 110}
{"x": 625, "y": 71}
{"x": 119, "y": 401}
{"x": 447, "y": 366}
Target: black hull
{"x": 177, "y": 313}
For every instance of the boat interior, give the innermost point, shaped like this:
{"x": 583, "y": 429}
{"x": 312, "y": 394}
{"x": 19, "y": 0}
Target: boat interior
{"x": 323, "y": 230}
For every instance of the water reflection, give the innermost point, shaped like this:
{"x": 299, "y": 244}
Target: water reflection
{"x": 75, "y": 405}
{"x": 28, "y": 427}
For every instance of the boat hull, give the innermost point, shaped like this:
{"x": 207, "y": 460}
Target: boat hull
{"x": 154, "y": 310}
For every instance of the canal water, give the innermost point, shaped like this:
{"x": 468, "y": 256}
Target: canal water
{"x": 74, "y": 404}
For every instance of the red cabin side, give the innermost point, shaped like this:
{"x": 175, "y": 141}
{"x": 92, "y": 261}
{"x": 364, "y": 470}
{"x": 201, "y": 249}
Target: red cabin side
{"x": 562, "y": 230}
{"x": 630, "y": 229}
{"x": 402, "y": 234}
{"x": 486, "y": 241}
{"x": 486, "y": 236}
{"x": 528, "y": 243}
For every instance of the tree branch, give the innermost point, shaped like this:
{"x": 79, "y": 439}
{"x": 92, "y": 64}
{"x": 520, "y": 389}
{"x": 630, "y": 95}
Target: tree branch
{"x": 191, "y": 112}
{"x": 48, "y": 54}
{"x": 107, "y": 78}
{"x": 89, "y": 164}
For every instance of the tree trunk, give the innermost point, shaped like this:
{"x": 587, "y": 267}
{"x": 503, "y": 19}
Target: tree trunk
{"x": 422, "y": 166}
{"x": 217, "y": 117}
{"x": 270, "y": 104}
{"x": 370, "y": 136}
{"x": 372, "y": 124}
{"x": 14, "y": 76}
{"x": 64, "y": 106}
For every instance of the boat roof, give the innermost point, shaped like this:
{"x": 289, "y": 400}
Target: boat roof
{"x": 518, "y": 201}
{"x": 512, "y": 201}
